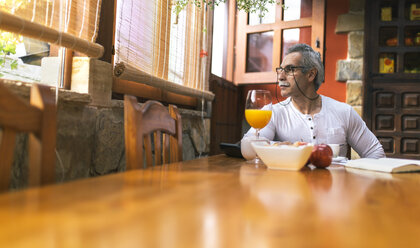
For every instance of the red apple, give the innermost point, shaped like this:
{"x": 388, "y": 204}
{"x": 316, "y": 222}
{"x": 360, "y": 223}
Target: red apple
{"x": 321, "y": 156}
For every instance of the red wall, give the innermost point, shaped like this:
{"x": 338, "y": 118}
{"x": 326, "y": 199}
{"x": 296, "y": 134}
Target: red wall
{"x": 335, "y": 49}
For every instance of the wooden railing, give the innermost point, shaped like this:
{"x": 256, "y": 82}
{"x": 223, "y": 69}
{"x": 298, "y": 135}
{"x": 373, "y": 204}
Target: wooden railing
{"x": 148, "y": 92}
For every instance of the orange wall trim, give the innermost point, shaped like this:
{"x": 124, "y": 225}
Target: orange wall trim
{"x": 335, "y": 49}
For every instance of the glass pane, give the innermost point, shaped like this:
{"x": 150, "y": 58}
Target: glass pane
{"x": 412, "y": 63}
{"x": 219, "y": 37}
{"x": 259, "y": 52}
{"x": 388, "y": 36}
{"x": 269, "y": 16}
{"x": 294, "y": 36}
{"x": 296, "y": 9}
{"x": 21, "y": 59}
{"x": 412, "y": 10}
{"x": 389, "y": 11}
{"x": 387, "y": 63}
{"x": 176, "y": 49}
{"x": 412, "y": 36}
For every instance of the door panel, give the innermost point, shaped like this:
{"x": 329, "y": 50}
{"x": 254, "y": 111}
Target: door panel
{"x": 396, "y": 119}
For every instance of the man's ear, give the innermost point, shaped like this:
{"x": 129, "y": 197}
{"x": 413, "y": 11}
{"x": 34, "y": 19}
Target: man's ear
{"x": 312, "y": 74}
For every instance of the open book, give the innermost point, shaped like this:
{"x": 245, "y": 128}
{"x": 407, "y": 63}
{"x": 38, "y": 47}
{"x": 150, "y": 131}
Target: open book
{"x": 391, "y": 165}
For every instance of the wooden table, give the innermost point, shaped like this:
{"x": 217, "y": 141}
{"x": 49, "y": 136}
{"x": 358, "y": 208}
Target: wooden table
{"x": 217, "y": 202}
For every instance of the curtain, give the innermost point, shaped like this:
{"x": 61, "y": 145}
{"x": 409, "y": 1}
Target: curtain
{"x": 69, "y": 23}
{"x": 151, "y": 38}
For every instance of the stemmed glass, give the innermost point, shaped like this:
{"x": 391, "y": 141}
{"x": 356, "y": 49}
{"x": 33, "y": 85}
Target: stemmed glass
{"x": 258, "y": 110}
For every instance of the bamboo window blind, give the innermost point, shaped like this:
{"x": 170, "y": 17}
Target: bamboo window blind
{"x": 69, "y": 23}
{"x": 160, "y": 48}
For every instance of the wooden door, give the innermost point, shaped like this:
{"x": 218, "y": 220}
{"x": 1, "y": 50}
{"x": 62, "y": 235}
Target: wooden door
{"x": 226, "y": 113}
{"x": 392, "y": 76}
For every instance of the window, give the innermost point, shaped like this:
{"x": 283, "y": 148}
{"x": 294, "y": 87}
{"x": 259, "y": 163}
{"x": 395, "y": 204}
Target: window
{"x": 157, "y": 47}
{"x": 262, "y": 42}
{"x": 223, "y": 39}
{"x": 38, "y": 29}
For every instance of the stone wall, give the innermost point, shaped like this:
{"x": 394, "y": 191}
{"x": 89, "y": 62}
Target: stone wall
{"x": 350, "y": 70}
{"x": 90, "y": 136}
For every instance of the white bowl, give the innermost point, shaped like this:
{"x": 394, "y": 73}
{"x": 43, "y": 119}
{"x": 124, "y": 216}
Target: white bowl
{"x": 283, "y": 157}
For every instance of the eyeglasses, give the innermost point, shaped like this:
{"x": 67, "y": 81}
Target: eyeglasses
{"x": 288, "y": 69}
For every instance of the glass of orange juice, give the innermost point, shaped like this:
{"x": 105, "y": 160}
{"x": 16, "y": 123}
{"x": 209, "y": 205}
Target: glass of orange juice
{"x": 258, "y": 110}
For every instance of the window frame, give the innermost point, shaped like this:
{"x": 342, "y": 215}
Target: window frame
{"x": 142, "y": 90}
{"x": 316, "y": 22}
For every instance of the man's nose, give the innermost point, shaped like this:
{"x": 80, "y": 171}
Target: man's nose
{"x": 281, "y": 76}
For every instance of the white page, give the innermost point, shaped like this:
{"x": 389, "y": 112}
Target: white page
{"x": 382, "y": 164}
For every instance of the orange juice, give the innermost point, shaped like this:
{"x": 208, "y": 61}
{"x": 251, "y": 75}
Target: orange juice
{"x": 257, "y": 118}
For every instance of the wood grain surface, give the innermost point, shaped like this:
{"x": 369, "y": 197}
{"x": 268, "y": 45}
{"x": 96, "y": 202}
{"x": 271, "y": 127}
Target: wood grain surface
{"x": 217, "y": 202}
{"x": 39, "y": 119}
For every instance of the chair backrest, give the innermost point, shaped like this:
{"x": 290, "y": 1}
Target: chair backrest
{"x": 38, "y": 118}
{"x": 348, "y": 154}
{"x": 151, "y": 119}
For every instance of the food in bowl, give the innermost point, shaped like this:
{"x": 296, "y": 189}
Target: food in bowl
{"x": 283, "y": 156}
{"x": 297, "y": 143}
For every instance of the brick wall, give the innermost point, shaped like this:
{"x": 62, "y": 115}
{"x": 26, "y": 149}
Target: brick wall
{"x": 350, "y": 70}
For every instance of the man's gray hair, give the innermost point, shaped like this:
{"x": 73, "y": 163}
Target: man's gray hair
{"x": 310, "y": 59}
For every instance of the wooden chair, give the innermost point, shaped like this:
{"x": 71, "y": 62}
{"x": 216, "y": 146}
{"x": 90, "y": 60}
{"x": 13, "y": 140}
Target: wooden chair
{"x": 348, "y": 154}
{"x": 39, "y": 120}
{"x": 140, "y": 123}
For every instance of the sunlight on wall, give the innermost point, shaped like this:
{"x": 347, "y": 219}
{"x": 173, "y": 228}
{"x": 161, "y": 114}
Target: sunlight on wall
{"x": 219, "y": 39}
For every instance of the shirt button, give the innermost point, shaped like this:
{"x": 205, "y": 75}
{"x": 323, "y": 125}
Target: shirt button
{"x": 312, "y": 127}
{"x": 309, "y": 119}
{"x": 314, "y": 137}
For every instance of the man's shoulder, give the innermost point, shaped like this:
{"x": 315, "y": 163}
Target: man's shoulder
{"x": 334, "y": 104}
{"x": 336, "y": 108}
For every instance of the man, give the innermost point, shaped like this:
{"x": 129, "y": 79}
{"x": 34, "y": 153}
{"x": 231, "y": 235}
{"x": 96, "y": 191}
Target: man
{"x": 307, "y": 116}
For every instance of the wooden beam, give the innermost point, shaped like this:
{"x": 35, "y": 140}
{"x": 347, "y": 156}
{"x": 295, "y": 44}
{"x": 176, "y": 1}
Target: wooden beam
{"x": 18, "y": 25}
{"x": 149, "y": 92}
{"x": 68, "y": 65}
{"x": 304, "y": 22}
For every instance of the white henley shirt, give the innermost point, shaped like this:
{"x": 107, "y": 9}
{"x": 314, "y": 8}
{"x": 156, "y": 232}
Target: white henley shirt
{"x": 336, "y": 123}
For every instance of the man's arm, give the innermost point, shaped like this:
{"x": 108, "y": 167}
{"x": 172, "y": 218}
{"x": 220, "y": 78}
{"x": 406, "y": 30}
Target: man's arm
{"x": 361, "y": 139}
